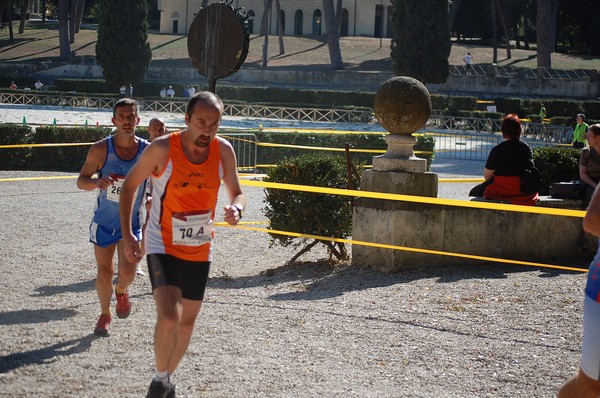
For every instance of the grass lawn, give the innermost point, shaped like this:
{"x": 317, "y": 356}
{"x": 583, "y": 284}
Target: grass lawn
{"x": 40, "y": 43}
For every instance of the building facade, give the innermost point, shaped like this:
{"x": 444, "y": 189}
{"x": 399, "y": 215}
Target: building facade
{"x": 370, "y": 18}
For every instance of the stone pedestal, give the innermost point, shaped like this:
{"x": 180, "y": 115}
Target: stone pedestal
{"x": 400, "y": 156}
{"x": 394, "y": 222}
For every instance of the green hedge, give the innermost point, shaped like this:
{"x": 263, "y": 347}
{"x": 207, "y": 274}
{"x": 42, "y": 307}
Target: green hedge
{"x": 556, "y": 164}
{"x": 63, "y": 158}
{"x": 18, "y": 158}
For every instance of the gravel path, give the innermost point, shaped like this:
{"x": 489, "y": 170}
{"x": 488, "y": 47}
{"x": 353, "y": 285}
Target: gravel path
{"x": 274, "y": 330}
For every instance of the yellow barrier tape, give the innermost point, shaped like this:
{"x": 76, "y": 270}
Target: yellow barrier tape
{"x": 461, "y": 180}
{"x": 416, "y": 250}
{"x": 318, "y": 148}
{"x": 224, "y": 224}
{"x": 418, "y": 199}
{"x": 36, "y": 178}
{"x": 320, "y": 131}
{"x": 54, "y": 144}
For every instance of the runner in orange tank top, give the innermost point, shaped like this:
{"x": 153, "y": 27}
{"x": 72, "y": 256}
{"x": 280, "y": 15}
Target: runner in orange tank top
{"x": 186, "y": 170}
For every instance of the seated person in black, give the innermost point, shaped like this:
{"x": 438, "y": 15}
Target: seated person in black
{"x": 505, "y": 165}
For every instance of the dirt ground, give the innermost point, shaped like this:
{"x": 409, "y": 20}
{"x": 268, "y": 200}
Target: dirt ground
{"x": 269, "y": 329}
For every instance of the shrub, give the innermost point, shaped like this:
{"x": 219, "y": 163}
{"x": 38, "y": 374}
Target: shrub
{"x": 556, "y": 164}
{"x": 17, "y": 158}
{"x": 67, "y": 158}
{"x": 425, "y": 143}
{"x": 310, "y": 213}
{"x": 462, "y": 103}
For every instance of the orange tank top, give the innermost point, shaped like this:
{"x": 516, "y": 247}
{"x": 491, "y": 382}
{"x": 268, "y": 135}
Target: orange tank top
{"x": 184, "y": 198}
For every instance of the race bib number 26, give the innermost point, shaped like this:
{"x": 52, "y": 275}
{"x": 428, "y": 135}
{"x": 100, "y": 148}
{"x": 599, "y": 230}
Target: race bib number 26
{"x": 113, "y": 192}
{"x": 192, "y": 228}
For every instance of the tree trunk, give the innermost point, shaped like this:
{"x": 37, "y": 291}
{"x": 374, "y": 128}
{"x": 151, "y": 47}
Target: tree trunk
{"x": 63, "y": 30}
{"x": 264, "y": 23}
{"x": 455, "y": 5}
{"x": 72, "y": 10}
{"x": 333, "y": 35}
{"x": 11, "y": 35}
{"x": 504, "y": 28}
{"x": 545, "y": 42}
{"x": 43, "y": 10}
{"x": 3, "y": 4}
{"x": 279, "y": 27}
{"x": 264, "y": 29}
{"x": 24, "y": 7}
{"x": 494, "y": 32}
{"x": 79, "y": 14}
{"x": 338, "y": 12}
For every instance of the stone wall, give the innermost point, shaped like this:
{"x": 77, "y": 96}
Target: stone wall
{"x": 482, "y": 86}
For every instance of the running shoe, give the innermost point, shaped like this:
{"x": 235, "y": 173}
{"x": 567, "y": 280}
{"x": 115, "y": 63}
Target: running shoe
{"x": 159, "y": 390}
{"x": 123, "y": 306}
{"x": 103, "y": 325}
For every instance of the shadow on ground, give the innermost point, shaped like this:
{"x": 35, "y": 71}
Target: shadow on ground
{"x": 322, "y": 280}
{"x": 51, "y": 290}
{"x": 21, "y": 317}
{"x": 45, "y": 355}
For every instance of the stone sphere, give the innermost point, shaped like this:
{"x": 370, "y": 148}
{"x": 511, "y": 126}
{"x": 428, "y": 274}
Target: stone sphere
{"x": 402, "y": 105}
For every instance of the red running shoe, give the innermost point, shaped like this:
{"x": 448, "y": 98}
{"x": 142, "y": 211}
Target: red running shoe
{"x": 123, "y": 306}
{"x": 103, "y": 325}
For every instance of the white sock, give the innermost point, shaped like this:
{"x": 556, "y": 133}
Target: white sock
{"x": 163, "y": 377}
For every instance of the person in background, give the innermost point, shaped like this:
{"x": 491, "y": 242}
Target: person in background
{"x": 107, "y": 164}
{"x": 156, "y": 128}
{"x": 589, "y": 163}
{"x": 163, "y": 93}
{"x": 191, "y": 91}
{"x": 179, "y": 234}
{"x": 580, "y": 131}
{"x": 505, "y": 165}
{"x": 468, "y": 62}
{"x": 123, "y": 91}
{"x": 12, "y": 86}
{"x": 542, "y": 113}
{"x": 130, "y": 90}
{"x": 586, "y": 384}
{"x": 38, "y": 85}
{"x": 170, "y": 92}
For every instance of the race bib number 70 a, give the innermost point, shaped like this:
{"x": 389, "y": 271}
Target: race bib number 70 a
{"x": 192, "y": 228}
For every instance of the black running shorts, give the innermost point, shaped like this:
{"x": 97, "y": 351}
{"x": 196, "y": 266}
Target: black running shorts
{"x": 189, "y": 276}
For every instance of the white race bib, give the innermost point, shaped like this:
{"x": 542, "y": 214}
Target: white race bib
{"x": 113, "y": 192}
{"x": 192, "y": 228}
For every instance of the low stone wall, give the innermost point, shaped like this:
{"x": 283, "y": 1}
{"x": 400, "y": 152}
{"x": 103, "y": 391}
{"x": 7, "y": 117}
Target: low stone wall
{"x": 465, "y": 230}
{"x": 359, "y": 81}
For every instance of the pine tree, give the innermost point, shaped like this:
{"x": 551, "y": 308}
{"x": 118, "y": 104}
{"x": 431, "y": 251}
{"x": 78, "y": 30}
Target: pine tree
{"x": 122, "y": 48}
{"x": 421, "y": 42}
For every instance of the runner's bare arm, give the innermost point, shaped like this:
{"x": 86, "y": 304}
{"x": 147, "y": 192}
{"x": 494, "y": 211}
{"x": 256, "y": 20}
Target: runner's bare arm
{"x": 93, "y": 163}
{"x": 591, "y": 222}
{"x": 232, "y": 183}
{"x": 153, "y": 159}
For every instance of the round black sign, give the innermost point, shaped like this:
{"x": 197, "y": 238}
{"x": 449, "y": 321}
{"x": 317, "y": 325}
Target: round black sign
{"x": 218, "y": 40}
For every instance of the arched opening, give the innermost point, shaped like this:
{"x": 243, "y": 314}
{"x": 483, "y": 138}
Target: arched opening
{"x": 298, "y": 22}
{"x": 250, "y": 22}
{"x": 345, "y": 22}
{"x": 175, "y": 22}
{"x": 316, "y": 26}
{"x": 282, "y": 18}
